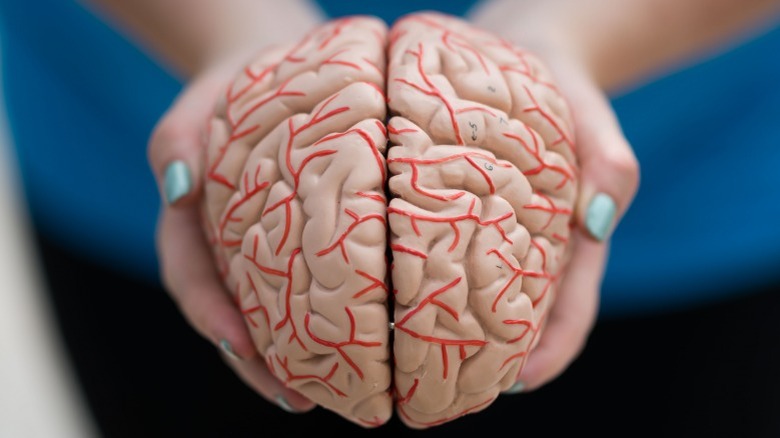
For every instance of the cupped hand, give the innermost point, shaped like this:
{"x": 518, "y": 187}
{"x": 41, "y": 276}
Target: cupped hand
{"x": 609, "y": 179}
{"x": 176, "y": 154}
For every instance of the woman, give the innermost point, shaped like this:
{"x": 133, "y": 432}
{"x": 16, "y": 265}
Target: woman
{"x": 110, "y": 70}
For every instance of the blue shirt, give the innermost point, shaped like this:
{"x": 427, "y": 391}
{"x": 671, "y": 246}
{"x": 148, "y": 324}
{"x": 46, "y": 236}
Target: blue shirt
{"x": 82, "y": 101}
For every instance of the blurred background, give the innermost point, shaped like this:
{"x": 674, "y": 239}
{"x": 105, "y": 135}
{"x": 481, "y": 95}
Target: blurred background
{"x": 90, "y": 344}
{"x": 39, "y": 394}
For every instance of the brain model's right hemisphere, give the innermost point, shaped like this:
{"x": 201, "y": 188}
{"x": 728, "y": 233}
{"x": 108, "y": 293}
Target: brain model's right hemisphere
{"x": 391, "y": 209}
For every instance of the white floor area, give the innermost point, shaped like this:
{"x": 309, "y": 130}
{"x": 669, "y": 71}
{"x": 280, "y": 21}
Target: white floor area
{"x": 38, "y": 394}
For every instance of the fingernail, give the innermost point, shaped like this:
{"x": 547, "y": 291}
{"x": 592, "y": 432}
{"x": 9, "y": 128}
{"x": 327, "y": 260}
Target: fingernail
{"x": 282, "y": 402}
{"x": 178, "y": 181}
{"x": 517, "y": 388}
{"x": 600, "y": 214}
{"x": 228, "y": 350}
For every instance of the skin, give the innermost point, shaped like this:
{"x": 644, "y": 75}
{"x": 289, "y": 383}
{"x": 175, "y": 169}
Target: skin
{"x": 587, "y": 64}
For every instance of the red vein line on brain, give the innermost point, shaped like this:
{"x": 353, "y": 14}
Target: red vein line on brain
{"x": 560, "y": 238}
{"x": 443, "y": 343}
{"x": 448, "y": 39}
{"x": 325, "y": 380}
{"x": 402, "y": 401}
{"x": 405, "y": 249}
{"x": 357, "y": 220}
{"x": 432, "y": 91}
{"x": 467, "y": 156}
{"x": 453, "y": 221}
{"x": 563, "y": 137}
{"x": 288, "y": 289}
{"x": 228, "y": 216}
{"x": 235, "y": 125}
{"x": 396, "y": 131}
{"x": 523, "y": 322}
{"x": 316, "y": 118}
{"x": 375, "y": 283}
{"x": 477, "y": 108}
{"x": 374, "y": 422}
{"x": 369, "y": 141}
{"x": 517, "y": 273}
{"x": 373, "y": 65}
{"x": 334, "y": 31}
{"x": 552, "y": 278}
{"x": 248, "y": 312}
{"x": 332, "y": 61}
{"x": 374, "y": 196}
{"x": 514, "y": 357}
{"x": 213, "y": 240}
{"x": 254, "y": 79}
{"x": 534, "y": 330}
{"x": 566, "y": 175}
{"x": 528, "y": 328}
{"x": 551, "y": 208}
{"x": 526, "y": 69}
{"x": 339, "y": 346}
{"x": 331, "y": 31}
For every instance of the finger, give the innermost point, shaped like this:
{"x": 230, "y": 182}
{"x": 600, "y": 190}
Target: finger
{"x": 255, "y": 374}
{"x": 176, "y": 148}
{"x": 571, "y": 319}
{"x": 191, "y": 278}
{"x": 609, "y": 169}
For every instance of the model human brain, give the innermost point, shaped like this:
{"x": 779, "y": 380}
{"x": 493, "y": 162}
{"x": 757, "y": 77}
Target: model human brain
{"x": 391, "y": 209}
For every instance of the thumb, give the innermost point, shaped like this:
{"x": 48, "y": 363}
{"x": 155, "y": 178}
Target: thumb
{"x": 176, "y": 149}
{"x": 609, "y": 169}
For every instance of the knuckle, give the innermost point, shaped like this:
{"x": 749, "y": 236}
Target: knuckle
{"x": 625, "y": 165}
{"x": 168, "y": 283}
{"x": 166, "y": 274}
{"x": 194, "y": 314}
{"x": 622, "y": 161}
{"x": 169, "y": 131}
{"x": 184, "y": 301}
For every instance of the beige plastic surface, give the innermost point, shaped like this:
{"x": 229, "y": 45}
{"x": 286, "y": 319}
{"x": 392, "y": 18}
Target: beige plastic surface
{"x": 450, "y": 219}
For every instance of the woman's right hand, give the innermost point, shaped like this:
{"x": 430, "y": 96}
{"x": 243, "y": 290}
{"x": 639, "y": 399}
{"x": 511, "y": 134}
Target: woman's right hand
{"x": 175, "y": 154}
{"x": 609, "y": 179}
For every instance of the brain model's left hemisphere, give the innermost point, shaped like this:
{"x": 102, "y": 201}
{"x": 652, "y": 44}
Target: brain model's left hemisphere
{"x": 297, "y": 215}
{"x": 470, "y": 220}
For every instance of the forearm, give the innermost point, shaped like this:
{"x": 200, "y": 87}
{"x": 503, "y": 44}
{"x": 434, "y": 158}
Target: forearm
{"x": 622, "y": 42}
{"x": 187, "y": 35}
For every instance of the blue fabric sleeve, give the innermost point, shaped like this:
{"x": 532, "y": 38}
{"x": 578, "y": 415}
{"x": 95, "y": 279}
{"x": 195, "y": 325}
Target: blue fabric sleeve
{"x": 81, "y": 102}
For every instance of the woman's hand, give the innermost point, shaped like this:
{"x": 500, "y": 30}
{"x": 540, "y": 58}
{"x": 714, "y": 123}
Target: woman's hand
{"x": 592, "y": 46}
{"x": 176, "y": 153}
{"x": 206, "y": 47}
{"x": 609, "y": 178}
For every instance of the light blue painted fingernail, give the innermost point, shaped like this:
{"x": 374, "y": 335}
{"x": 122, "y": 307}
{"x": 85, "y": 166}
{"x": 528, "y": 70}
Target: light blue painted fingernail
{"x": 178, "y": 181}
{"x": 282, "y": 402}
{"x": 517, "y": 388}
{"x": 600, "y": 214}
{"x": 228, "y": 349}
